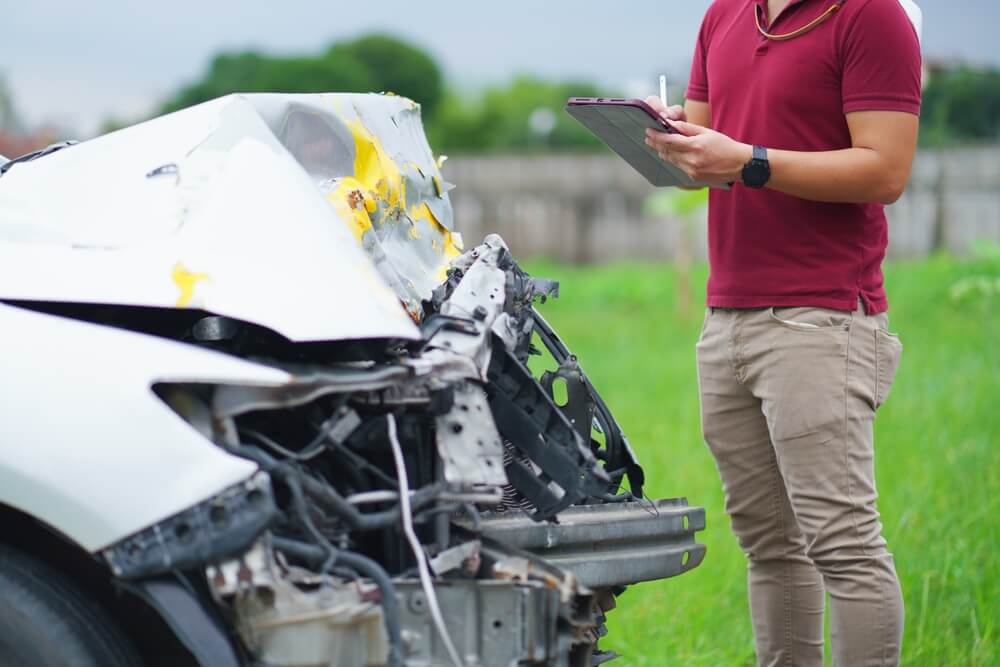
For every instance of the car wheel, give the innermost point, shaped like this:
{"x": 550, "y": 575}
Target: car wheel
{"x": 47, "y": 621}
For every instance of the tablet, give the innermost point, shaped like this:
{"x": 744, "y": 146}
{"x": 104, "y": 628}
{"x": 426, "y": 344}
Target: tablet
{"x": 621, "y": 124}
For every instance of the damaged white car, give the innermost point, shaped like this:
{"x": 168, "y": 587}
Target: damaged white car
{"x": 259, "y": 407}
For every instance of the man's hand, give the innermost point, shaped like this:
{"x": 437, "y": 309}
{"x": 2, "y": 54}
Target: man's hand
{"x": 705, "y": 155}
{"x": 672, "y": 113}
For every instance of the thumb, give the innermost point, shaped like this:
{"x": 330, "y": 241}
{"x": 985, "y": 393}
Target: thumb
{"x": 689, "y": 129}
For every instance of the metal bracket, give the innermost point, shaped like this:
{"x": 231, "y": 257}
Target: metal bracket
{"x": 579, "y": 407}
{"x": 468, "y": 442}
{"x": 534, "y": 424}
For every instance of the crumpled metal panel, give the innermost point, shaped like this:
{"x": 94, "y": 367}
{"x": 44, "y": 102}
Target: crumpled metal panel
{"x": 369, "y": 156}
{"x": 312, "y": 215}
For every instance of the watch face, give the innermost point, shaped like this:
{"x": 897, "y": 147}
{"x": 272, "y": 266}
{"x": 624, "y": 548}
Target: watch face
{"x": 756, "y": 173}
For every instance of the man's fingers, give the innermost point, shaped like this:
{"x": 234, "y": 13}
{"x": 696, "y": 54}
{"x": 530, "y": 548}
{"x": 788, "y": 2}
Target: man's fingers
{"x": 657, "y": 144}
{"x": 662, "y": 150}
{"x": 663, "y": 140}
{"x": 676, "y": 113}
{"x": 656, "y": 103}
{"x": 689, "y": 129}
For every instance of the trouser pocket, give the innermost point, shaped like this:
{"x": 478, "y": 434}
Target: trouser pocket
{"x": 888, "y": 351}
{"x": 704, "y": 324}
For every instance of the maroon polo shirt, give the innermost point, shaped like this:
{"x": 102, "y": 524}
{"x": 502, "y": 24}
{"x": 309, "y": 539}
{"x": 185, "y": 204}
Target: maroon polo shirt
{"x": 771, "y": 249}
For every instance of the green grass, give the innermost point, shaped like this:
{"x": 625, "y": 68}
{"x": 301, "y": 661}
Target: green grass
{"x": 937, "y": 448}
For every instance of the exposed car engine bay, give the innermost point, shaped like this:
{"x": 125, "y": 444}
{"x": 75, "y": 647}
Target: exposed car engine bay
{"x": 401, "y": 476}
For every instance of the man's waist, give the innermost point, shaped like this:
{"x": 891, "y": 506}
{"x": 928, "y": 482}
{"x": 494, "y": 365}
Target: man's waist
{"x": 872, "y": 302}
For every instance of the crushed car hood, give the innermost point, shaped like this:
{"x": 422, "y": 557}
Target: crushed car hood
{"x": 321, "y": 217}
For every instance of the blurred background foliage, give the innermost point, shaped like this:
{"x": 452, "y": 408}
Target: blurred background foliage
{"x": 522, "y": 115}
{"x": 961, "y": 104}
{"x": 525, "y": 115}
{"x": 374, "y": 62}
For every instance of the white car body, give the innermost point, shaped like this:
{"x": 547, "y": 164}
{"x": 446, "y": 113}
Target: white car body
{"x": 87, "y": 447}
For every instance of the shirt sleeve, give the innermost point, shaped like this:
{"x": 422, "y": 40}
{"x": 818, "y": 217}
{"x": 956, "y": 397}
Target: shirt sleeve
{"x": 881, "y": 60}
{"x": 697, "y": 89}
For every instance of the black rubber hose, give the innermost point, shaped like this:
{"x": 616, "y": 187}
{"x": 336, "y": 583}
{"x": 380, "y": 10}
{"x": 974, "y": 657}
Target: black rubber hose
{"x": 365, "y": 567}
{"x": 332, "y": 501}
{"x": 301, "y": 510}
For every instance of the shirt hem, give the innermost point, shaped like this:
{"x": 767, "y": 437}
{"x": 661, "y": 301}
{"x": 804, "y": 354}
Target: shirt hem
{"x": 696, "y": 94}
{"x": 882, "y": 105}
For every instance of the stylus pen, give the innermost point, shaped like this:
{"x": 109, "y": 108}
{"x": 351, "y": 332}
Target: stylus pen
{"x": 663, "y": 90}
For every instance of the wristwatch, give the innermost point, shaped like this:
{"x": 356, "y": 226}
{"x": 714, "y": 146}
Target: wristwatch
{"x": 757, "y": 172}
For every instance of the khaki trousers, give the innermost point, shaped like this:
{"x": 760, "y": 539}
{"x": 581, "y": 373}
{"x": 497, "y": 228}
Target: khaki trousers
{"x": 788, "y": 399}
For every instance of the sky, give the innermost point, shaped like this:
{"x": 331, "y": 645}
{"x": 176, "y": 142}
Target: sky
{"x": 73, "y": 64}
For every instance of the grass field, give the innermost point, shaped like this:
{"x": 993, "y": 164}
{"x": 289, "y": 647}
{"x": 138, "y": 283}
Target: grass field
{"x": 938, "y": 462}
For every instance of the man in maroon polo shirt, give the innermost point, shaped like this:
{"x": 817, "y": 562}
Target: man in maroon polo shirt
{"x": 809, "y": 108}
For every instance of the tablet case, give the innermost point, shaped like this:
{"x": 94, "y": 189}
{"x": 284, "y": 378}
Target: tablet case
{"x": 621, "y": 124}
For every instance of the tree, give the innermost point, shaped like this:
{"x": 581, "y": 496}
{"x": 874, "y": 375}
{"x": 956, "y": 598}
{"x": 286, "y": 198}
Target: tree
{"x": 251, "y": 72}
{"x": 961, "y": 104}
{"x": 395, "y": 66}
{"x": 524, "y": 115}
{"x": 370, "y": 63}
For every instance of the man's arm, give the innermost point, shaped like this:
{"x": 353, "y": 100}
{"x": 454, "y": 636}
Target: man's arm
{"x": 698, "y": 113}
{"x": 874, "y": 170}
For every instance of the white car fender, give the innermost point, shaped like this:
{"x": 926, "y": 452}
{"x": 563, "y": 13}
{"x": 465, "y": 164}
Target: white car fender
{"x": 85, "y": 444}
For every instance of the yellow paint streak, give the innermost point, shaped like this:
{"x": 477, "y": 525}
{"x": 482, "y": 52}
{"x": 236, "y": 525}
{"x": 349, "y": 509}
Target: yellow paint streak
{"x": 377, "y": 193}
{"x": 355, "y": 213}
{"x": 186, "y": 282}
{"x": 373, "y": 167}
{"x": 448, "y": 248}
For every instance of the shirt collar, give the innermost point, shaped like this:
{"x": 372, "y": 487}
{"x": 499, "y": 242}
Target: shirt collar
{"x": 762, "y": 4}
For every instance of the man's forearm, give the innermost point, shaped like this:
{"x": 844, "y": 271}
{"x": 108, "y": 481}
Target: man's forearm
{"x": 874, "y": 170}
{"x": 853, "y": 175}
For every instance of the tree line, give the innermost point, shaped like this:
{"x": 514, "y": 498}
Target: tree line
{"x": 961, "y": 104}
{"x": 523, "y": 115}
